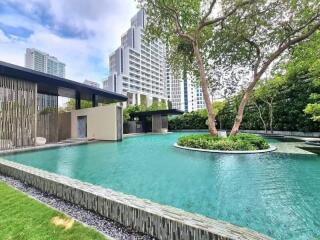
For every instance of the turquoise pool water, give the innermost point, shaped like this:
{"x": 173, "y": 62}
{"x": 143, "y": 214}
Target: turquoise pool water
{"x": 277, "y": 194}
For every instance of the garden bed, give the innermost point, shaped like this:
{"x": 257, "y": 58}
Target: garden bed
{"x": 241, "y": 142}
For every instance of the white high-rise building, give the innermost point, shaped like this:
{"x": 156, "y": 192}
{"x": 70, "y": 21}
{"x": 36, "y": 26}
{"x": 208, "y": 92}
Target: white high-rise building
{"x": 137, "y": 68}
{"x": 174, "y": 90}
{"x": 192, "y": 96}
{"x": 43, "y": 62}
{"x": 182, "y": 93}
{"x": 91, "y": 83}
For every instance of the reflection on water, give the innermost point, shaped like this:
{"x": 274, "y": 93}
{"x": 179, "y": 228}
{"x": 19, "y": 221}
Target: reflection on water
{"x": 274, "y": 193}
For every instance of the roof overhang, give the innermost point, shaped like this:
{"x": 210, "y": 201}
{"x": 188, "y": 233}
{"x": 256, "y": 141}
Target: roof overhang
{"x": 165, "y": 112}
{"x": 52, "y": 85}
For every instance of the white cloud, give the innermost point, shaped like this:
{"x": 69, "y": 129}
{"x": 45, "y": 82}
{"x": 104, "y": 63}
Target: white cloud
{"x": 3, "y": 37}
{"x": 81, "y": 33}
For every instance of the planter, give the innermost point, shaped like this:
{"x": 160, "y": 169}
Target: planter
{"x": 271, "y": 149}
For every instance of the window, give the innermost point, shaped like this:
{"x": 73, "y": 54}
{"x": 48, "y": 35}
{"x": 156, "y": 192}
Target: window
{"x": 133, "y": 37}
{"x": 115, "y": 83}
{"x": 121, "y": 60}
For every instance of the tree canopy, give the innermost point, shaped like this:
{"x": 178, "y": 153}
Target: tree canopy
{"x": 213, "y": 37}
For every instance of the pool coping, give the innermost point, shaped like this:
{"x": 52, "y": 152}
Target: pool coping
{"x": 271, "y": 149}
{"x": 161, "y": 221}
{"x": 44, "y": 147}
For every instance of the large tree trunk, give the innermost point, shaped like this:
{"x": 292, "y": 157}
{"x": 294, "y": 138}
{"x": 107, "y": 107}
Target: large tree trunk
{"x": 204, "y": 87}
{"x": 243, "y": 103}
{"x": 271, "y": 115}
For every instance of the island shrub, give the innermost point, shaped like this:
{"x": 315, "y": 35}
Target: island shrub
{"x": 240, "y": 142}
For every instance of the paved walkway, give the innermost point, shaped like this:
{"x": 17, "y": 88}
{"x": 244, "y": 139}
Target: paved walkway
{"x": 290, "y": 147}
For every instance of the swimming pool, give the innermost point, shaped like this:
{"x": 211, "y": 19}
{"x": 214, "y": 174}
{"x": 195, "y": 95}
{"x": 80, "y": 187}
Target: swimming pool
{"x": 276, "y": 194}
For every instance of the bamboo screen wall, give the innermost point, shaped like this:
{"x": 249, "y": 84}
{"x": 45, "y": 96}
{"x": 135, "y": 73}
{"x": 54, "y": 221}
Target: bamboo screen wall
{"x": 47, "y": 119}
{"x": 17, "y": 113}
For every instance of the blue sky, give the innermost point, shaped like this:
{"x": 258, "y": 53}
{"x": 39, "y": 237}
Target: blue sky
{"x": 81, "y": 33}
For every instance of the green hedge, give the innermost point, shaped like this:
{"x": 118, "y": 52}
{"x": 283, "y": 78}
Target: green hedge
{"x": 242, "y": 142}
{"x": 192, "y": 120}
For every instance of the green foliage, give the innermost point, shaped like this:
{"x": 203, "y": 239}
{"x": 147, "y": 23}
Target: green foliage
{"x": 192, "y": 120}
{"x": 289, "y": 101}
{"x": 241, "y": 142}
{"x": 305, "y": 62}
{"x": 257, "y": 141}
{"x": 248, "y": 35}
{"x": 140, "y": 108}
{"x": 24, "y": 218}
{"x": 314, "y": 108}
{"x": 131, "y": 109}
{"x": 71, "y": 104}
{"x": 294, "y": 94}
{"x": 157, "y": 106}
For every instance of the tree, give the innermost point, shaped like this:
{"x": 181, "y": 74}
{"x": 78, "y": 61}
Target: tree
{"x": 71, "y": 104}
{"x": 267, "y": 92}
{"x": 259, "y": 35}
{"x": 289, "y": 101}
{"x": 314, "y": 108}
{"x": 188, "y": 27}
{"x": 259, "y": 107}
{"x": 305, "y": 61}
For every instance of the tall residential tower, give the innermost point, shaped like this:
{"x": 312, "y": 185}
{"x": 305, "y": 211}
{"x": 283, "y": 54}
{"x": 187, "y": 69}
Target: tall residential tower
{"x": 137, "y": 68}
{"x": 43, "y": 62}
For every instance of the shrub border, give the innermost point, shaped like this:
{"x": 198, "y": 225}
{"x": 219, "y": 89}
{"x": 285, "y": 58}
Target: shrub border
{"x": 270, "y": 149}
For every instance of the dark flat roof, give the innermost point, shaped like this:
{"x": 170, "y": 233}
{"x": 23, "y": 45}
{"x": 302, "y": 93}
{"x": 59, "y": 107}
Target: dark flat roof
{"x": 49, "y": 84}
{"x": 156, "y": 112}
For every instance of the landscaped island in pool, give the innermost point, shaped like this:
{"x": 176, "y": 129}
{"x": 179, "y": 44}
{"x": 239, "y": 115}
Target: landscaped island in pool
{"x": 277, "y": 194}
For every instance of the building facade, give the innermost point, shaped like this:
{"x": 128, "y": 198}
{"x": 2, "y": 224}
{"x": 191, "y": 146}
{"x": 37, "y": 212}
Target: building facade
{"x": 43, "y": 62}
{"x": 182, "y": 93}
{"x": 29, "y": 109}
{"x": 92, "y": 83}
{"x": 137, "y": 68}
{"x": 192, "y": 97}
{"x": 174, "y": 90}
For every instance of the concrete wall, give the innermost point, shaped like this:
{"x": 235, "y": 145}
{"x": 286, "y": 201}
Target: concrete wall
{"x": 135, "y": 127}
{"x": 101, "y": 122}
{"x": 159, "y": 123}
{"x": 286, "y": 133}
{"x": 162, "y": 222}
{"x": 64, "y": 129}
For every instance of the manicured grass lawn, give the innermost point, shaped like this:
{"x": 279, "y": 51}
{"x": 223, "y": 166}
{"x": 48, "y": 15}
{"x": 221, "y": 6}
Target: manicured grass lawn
{"x": 23, "y": 218}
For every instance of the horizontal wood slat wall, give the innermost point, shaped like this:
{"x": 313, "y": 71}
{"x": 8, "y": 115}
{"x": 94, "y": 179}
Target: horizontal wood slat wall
{"x": 17, "y": 113}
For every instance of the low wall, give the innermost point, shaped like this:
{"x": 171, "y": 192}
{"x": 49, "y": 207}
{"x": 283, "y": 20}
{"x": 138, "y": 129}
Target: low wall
{"x": 285, "y": 133}
{"x": 162, "y": 222}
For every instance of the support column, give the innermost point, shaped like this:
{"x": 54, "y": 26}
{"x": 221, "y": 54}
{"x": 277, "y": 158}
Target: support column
{"x": 156, "y": 123}
{"x": 94, "y": 100}
{"x": 78, "y": 101}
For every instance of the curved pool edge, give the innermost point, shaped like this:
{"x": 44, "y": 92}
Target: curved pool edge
{"x": 271, "y": 149}
{"x": 158, "y": 220}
